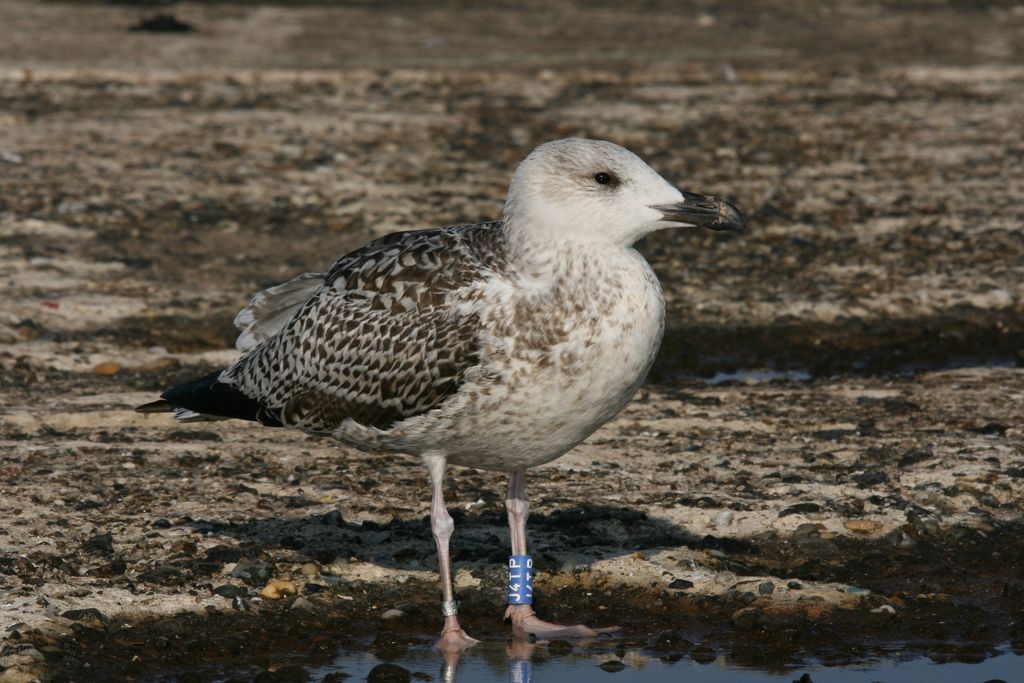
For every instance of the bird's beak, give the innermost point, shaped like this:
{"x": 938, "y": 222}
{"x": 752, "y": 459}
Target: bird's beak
{"x": 704, "y": 211}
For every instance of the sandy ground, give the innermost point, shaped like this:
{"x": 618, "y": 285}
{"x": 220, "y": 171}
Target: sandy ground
{"x": 150, "y": 183}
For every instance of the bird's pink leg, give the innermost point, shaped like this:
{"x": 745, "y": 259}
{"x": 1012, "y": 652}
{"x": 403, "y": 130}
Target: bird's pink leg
{"x": 524, "y": 622}
{"x": 453, "y": 638}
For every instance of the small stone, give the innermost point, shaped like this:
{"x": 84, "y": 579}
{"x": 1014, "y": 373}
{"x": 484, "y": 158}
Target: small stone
{"x": 766, "y": 588}
{"x": 303, "y": 604}
{"x": 805, "y": 530}
{"x": 680, "y": 584}
{"x": 107, "y": 368}
{"x": 612, "y": 666}
{"x": 275, "y": 590}
{"x": 332, "y": 518}
{"x": 310, "y": 569}
{"x": 313, "y": 588}
{"x": 230, "y": 591}
{"x": 862, "y": 526}
{"x": 465, "y": 579}
{"x": 869, "y": 478}
{"x": 90, "y": 616}
{"x": 100, "y": 543}
{"x": 164, "y": 574}
{"x": 794, "y": 586}
{"x": 800, "y": 509}
{"x": 724, "y": 518}
{"x": 158, "y": 364}
{"x": 806, "y": 678}
{"x": 392, "y": 614}
{"x": 223, "y": 553}
{"x": 884, "y": 609}
{"x": 253, "y": 573}
{"x": 115, "y": 567}
{"x": 559, "y": 648}
{"x": 183, "y": 547}
{"x": 389, "y": 673}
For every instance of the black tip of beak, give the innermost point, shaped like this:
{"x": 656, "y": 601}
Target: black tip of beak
{"x": 707, "y": 212}
{"x": 730, "y": 218}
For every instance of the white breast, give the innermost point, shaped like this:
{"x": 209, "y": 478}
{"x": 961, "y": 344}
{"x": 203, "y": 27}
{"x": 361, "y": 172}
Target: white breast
{"x": 561, "y": 366}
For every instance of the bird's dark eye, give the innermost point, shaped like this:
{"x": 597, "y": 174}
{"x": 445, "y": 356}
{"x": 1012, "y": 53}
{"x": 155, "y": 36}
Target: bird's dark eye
{"x": 603, "y": 178}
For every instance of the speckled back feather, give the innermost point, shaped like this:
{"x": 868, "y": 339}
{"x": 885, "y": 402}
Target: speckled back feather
{"x": 381, "y": 339}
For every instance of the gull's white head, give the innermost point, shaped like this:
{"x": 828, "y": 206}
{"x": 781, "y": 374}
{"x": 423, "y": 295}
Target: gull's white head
{"x": 595, "y": 192}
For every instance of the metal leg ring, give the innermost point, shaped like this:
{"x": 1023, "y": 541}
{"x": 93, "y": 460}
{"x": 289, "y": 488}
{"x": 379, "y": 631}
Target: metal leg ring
{"x": 449, "y": 608}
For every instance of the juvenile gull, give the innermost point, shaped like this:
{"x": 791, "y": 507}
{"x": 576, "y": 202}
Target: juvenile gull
{"x": 499, "y": 345}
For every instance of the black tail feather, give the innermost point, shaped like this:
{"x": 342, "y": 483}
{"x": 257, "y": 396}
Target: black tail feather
{"x": 210, "y": 396}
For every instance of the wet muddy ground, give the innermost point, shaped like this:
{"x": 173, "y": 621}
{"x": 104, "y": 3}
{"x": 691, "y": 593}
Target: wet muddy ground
{"x": 868, "y": 495}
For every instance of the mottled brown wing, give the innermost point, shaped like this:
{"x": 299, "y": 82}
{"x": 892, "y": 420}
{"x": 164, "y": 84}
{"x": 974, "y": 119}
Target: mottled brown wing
{"x": 381, "y": 341}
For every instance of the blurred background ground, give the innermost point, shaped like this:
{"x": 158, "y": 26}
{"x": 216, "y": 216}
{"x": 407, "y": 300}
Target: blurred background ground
{"x": 151, "y": 181}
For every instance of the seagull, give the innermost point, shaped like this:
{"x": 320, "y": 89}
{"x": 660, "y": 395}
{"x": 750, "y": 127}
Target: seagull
{"x": 498, "y": 345}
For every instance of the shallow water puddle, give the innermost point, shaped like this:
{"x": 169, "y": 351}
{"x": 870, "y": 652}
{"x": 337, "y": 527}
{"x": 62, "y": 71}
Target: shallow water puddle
{"x": 527, "y": 663}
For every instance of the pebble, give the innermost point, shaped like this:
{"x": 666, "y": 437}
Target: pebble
{"x": 303, "y": 604}
{"x": 680, "y": 584}
{"x": 389, "y": 673}
{"x": 230, "y": 591}
{"x": 158, "y": 364}
{"x": 805, "y": 530}
{"x": 884, "y": 609}
{"x": 392, "y": 614}
{"x": 766, "y": 588}
{"x": 612, "y": 666}
{"x": 275, "y": 590}
{"x": 794, "y": 586}
{"x": 183, "y": 547}
{"x": 310, "y": 569}
{"x": 332, "y": 518}
{"x": 724, "y": 518}
{"x": 89, "y": 615}
{"x": 165, "y": 573}
{"x": 100, "y": 543}
{"x": 253, "y": 573}
{"x": 862, "y": 526}
{"x": 465, "y": 579}
{"x": 107, "y": 368}
{"x": 223, "y": 553}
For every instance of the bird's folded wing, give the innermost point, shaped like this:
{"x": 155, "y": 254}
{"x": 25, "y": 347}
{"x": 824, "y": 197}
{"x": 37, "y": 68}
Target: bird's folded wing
{"x": 269, "y": 310}
{"x": 380, "y": 341}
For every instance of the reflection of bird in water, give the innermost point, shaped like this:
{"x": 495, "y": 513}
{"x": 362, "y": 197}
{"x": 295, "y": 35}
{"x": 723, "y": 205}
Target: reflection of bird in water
{"x": 499, "y": 345}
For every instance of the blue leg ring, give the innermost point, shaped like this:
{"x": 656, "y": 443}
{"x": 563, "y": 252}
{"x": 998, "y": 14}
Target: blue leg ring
{"x": 520, "y": 580}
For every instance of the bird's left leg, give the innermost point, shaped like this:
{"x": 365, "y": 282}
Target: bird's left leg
{"x": 524, "y": 622}
{"x": 453, "y": 638}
